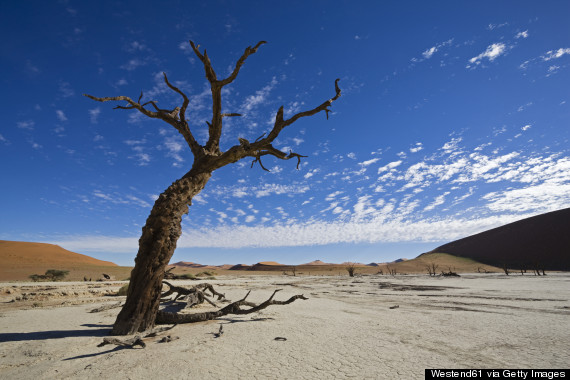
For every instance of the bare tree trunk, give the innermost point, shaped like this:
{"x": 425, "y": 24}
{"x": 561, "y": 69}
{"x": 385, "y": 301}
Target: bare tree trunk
{"x": 156, "y": 247}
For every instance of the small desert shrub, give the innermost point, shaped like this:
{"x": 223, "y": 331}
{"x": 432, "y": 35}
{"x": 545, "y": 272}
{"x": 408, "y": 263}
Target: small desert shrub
{"x": 56, "y": 275}
{"x": 50, "y": 275}
{"x": 123, "y": 290}
{"x": 207, "y": 273}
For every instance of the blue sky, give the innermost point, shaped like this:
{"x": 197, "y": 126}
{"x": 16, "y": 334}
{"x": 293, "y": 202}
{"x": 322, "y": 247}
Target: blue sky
{"x": 453, "y": 119}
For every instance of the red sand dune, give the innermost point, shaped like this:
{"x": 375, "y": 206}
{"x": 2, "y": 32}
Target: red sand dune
{"x": 17, "y": 253}
{"x": 268, "y": 263}
{"x": 316, "y": 262}
{"x": 187, "y": 264}
{"x": 240, "y": 267}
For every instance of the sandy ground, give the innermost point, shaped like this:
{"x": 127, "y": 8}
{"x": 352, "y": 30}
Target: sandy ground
{"x": 347, "y": 329}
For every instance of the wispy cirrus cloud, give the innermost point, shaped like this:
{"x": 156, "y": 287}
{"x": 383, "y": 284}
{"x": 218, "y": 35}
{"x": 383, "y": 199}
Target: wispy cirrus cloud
{"x": 260, "y": 97}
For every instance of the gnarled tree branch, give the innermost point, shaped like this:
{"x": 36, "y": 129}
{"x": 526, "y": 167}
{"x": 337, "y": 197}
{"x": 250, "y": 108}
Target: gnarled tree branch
{"x": 270, "y": 150}
{"x": 248, "y": 51}
{"x": 280, "y": 123}
{"x": 175, "y": 117}
{"x": 215, "y": 126}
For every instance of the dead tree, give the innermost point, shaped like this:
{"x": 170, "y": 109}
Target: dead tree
{"x": 163, "y": 226}
{"x": 506, "y": 269}
{"x": 351, "y": 269}
{"x": 536, "y": 269}
{"x": 431, "y": 268}
{"x": 449, "y": 273}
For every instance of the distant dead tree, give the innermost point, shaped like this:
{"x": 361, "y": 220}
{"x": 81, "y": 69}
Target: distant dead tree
{"x": 505, "y": 269}
{"x": 350, "y": 268}
{"x": 163, "y": 226}
{"x": 537, "y": 269}
{"x": 391, "y": 271}
{"x": 431, "y": 268}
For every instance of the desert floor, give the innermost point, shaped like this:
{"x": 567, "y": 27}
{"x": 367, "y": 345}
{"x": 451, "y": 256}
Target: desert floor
{"x": 349, "y": 328}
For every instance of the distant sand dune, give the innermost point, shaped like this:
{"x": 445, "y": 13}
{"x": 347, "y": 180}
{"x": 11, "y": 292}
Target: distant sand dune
{"x": 21, "y": 259}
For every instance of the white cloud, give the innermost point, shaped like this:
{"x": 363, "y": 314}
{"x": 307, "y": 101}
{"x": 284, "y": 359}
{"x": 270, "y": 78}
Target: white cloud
{"x": 452, "y": 146}
{"x": 332, "y": 196}
{"x": 28, "y": 124}
{"x": 118, "y": 198}
{"x": 66, "y": 90}
{"x": 353, "y": 231}
{"x": 60, "y": 115}
{"x": 260, "y": 96}
{"x": 539, "y": 198}
{"x": 133, "y": 64}
{"x": 526, "y": 127}
{"x": 293, "y": 108}
{"x": 523, "y": 34}
{"x": 94, "y": 115}
{"x": 429, "y": 52}
{"x": 416, "y": 148}
{"x": 555, "y": 54}
{"x": 174, "y": 147}
{"x": 140, "y": 155}
{"x": 495, "y": 26}
{"x": 136, "y": 46}
{"x": 439, "y": 200}
{"x": 269, "y": 189}
{"x": 311, "y": 173}
{"x": 368, "y": 162}
{"x": 389, "y": 166}
{"x": 491, "y": 53}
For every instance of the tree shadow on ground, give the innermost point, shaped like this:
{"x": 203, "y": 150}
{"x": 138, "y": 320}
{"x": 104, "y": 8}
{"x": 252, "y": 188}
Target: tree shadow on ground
{"x": 114, "y": 349}
{"x": 235, "y": 320}
{"x": 53, "y": 334}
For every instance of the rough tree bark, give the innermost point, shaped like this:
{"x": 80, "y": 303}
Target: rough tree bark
{"x": 163, "y": 226}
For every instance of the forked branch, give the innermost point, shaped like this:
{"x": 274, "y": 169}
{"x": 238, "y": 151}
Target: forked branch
{"x": 276, "y": 153}
{"x": 280, "y": 123}
{"x": 175, "y": 117}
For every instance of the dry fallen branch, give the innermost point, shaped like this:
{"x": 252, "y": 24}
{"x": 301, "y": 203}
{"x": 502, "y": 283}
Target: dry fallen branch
{"x": 193, "y": 296}
{"x": 130, "y": 343}
{"x": 164, "y": 317}
{"x": 137, "y": 340}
